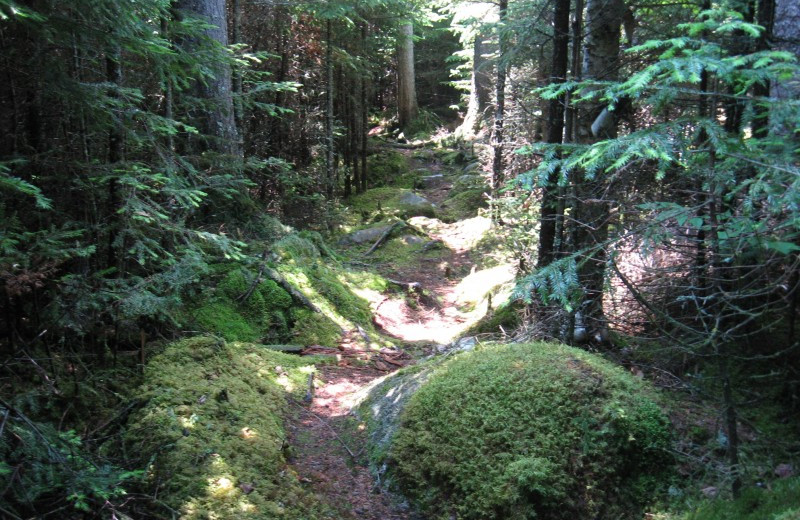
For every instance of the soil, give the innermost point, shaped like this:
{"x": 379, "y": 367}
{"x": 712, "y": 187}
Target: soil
{"x": 329, "y": 443}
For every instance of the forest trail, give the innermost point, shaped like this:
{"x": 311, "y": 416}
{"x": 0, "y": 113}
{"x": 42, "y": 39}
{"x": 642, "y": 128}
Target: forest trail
{"x": 328, "y": 441}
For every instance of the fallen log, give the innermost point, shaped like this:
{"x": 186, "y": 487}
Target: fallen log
{"x": 296, "y": 295}
{"x": 385, "y": 237}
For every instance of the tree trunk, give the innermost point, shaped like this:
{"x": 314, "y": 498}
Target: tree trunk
{"x": 555, "y": 131}
{"x": 498, "y": 168}
{"x": 480, "y": 89}
{"x": 600, "y": 61}
{"x": 329, "y": 143}
{"x": 218, "y": 120}
{"x": 362, "y": 187}
{"x": 407, "y": 108}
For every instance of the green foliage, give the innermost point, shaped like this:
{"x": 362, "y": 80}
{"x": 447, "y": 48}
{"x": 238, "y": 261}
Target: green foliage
{"x": 389, "y": 168}
{"x": 312, "y": 328}
{"x": 40, "y": 463}
{"x": 541, "y": 431}
{"x": 214, "y": 422}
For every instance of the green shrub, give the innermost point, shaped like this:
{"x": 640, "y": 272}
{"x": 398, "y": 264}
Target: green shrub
{"x": 530, "y": 431}
{"x": 780, "y": 502}
{"x": 212, "y": 432}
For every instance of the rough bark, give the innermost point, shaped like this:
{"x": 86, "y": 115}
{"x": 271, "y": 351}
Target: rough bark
{"x": 218, "y": 120}
{"x": 407, "y": 107}
{"x": 555, "y": 131}
{"x": 498, "y": 168}
{"x": 600, "y": 61}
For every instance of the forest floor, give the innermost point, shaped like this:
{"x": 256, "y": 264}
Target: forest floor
{"x": 328, "y": 441}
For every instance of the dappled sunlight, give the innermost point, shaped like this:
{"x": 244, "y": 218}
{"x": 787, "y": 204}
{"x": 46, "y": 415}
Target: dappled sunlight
{"x": 458, "y": 236}
{"x": 477, "y": 285}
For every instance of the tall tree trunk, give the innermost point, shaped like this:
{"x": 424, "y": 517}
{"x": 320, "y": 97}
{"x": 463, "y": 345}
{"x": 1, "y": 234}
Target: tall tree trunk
{"x": 329, "y": 142}
{"x": 238, "y": 86}
{"x": 555, "y": 131}
{"x": 498, "y": 168}
{"x": 219, "y": 124}
{"x": 407, "y": 108}
{"x": 600, "y": 61}
{"x": 480, "y": 89}
{"x": 362, "y": 187}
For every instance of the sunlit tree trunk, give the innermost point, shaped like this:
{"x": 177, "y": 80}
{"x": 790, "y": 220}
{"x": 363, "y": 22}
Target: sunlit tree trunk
{"x": 480, "y": 89}
{"x": 407, "y": 108}
{"x": 498, "y": 167}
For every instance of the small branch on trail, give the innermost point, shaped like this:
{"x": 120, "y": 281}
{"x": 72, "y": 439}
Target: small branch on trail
{"x": 296, "y": 295}
{"x": 432, "y": 244}
{"x": 385, "y": 236}
{"x": 323, "y": 421}
{"x": 407, "y": 146}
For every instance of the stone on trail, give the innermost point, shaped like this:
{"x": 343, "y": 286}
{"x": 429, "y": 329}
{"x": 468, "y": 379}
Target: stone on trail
{"x": 413, "y": 205}
{"x": 363, "y": 236}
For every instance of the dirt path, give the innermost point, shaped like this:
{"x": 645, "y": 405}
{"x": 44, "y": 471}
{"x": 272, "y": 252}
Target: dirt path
{"x": 329, "y": 444}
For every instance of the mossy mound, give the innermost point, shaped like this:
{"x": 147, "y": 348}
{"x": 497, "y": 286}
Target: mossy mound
{"x": 464, "y": 204}
{"x": 262, "y": 316}
{"x": 315, "y": 270}
{"x": 528, "y": 431}
{"x": 390, "y": 168}
{"x": 505, "y": 318}
{"x": 211, "y": 431}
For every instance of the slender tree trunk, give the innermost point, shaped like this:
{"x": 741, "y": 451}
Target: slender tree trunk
{"x": 766, "y": 19}
{"x": 407, "y": 108}
{"x": 555, "y": 131}
{"x": 329, "y": 143}
{"x": 498, "y": 168}
{"x": 238, "y": 86}
{"x": 362, "y": 187}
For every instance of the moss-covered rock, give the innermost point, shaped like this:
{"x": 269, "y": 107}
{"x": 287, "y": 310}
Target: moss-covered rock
{"x": 464, "y": 204}
{"x": 259, "y": 317}
{"x": 211, "y": 431}
{"x": 526, "y": 431}
{"x": 504, "y": 318}
{"x": 389, "y": 168}
{"x": 381, "y": 203}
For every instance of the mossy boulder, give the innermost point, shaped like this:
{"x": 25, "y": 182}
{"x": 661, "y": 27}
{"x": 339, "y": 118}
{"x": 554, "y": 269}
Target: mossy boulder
{"x": 381, "y": 203}
{"x": 211, "y": 430}
{"x": 523, "y": 431}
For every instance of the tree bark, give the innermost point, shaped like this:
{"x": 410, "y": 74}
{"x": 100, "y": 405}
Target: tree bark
{"x": 407, "y": 107}
{"x": 480, "y": 89}
{"x": 329, "y": 143}
{"x": 218, "y": 120}
{"x": 555, "y": 131}
{"x": 498, "y": 168}
{"x": 600, "y": 61}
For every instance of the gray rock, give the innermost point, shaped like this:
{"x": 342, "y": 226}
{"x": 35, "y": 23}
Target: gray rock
{"x": 412, "y": 239}
{"x": 412, "y": 205}
{"x": 431, "y": 181}
{"x": 364, "y": 236}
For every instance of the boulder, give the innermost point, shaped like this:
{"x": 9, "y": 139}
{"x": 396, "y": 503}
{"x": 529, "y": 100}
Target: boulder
{"x": 364, "y": 236}
{"x": 412, "y": 205}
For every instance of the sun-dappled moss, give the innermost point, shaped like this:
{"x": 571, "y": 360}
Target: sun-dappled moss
{"x": 211, "y": 430}
{"x": 464, "y": 204}
{"x": 389, "y": 167}
{"x": 540, "y": 431}
{"x": 312, "y": 328}
{"x": 260, "y": 316}
{"x": 504, "y": 318}
{"x": 380, "y": 203}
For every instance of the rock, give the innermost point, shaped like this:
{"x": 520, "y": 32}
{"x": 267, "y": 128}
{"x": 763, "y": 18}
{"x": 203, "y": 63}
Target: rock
{"x": 412, "y": 239}
{"x": 464, "y": 344}
{"x": 286, "y": 348}
{"x": 412, "y": 205}
{"x": 431, "y": 181}
{"x": 364, "y": 236}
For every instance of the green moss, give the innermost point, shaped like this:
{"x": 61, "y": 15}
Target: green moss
{"x": 380, "y": 203}
{"x": 311, "y": 328}
{"x": 506, "y": 317}
{"x": 262, "y": 315}
{"x": 212, "y": 424}
{"x": 463, "y": 205}
{"x": 389, "y": 167}
{"x": 221, "y": 317}
{"x": 530, "y": 431}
